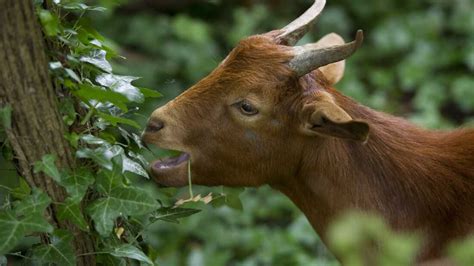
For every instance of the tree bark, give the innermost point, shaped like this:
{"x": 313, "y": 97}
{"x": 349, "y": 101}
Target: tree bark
{"x": 37, "y": 127}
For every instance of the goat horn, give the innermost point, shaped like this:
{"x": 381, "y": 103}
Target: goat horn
{"x": 310, "y": 57}
{"x": 294, "y": 31}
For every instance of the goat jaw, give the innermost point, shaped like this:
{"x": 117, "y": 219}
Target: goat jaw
{"x": 171, "y": 172}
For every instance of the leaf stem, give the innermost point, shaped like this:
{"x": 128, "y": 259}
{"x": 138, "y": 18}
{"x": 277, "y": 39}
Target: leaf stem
{"x": 6, "y": 188}
{"x": 93, "y": 253}
{"x": 88, "y": 116}
{"x": 190, "y": 185}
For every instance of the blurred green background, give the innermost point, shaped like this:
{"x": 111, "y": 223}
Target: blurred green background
{"x": 417, "y": 61}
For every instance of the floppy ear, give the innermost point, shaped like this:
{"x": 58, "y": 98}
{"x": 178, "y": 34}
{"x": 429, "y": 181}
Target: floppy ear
{"x": 326, "y": 118}
{"x": 335, "y": 71}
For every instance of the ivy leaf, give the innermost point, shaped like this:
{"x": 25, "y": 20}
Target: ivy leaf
{"x": 108, "y": 180}
{"x": 102, "y": 156}
{"x": 34, "y": 203}
{"x": 120, "y": 201}
{"x": 115, "y": 119}
{"x": 104, "y": 213}
{"x": 88, "y": 92}
{"x": 59, "y": 251}
{"x": 6, "y": 116}
{"x": 169, "y": 214}
{"x": 138, "y": 140}
{"x": 47, "y": 166}
{"x": 83, "y": 7}
{"x": 229, "y": 197}
{"x": 131, "y": 166}
{"x": 35, "y": 222}
{"x": 22, "y": 190}
{"x": 73, "y": 75}
{"x": 77, "y": 183}
{"x": 12, "y": 229}
{"x": 71, "y": 210}
{"x": 134, "y": 201}
{"x": 50, "y": 22}
{"x": 66, "y": 108}
{"x": 25, "y": 218}
{"x": 138, "y": 157}
{"x": 73, "y": 139}
{"x": 93, "y": 140}
{"x": 97, "y": 58}
{"x": 122, "y": 85}
{"x": 150, "y": 93}
{"x": 132, "y": 252}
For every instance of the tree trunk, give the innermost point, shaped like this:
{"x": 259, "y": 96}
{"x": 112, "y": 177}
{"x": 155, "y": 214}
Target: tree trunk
{"x": 37, "y": 127}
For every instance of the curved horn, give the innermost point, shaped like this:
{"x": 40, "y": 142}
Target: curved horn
{"x": 309, "y": 57}
{"x": 294, "y": 31}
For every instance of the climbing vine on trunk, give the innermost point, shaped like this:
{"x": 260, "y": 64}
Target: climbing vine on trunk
{"x": 67, "y": 129}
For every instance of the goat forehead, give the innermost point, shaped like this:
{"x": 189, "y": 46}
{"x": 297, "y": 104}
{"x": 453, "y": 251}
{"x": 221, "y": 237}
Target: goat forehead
{"x": 258, "y": 50}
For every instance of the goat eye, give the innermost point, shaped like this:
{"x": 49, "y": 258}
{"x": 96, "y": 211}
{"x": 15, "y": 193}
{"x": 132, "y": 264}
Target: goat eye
{"x": 247, "y": 109}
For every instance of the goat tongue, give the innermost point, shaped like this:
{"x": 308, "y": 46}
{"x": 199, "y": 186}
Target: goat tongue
{"x": 171, "y": 162}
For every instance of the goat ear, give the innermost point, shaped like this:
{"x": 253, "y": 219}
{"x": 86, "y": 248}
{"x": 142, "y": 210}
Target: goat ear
{"x": 328, "y": 119}
{"x": 335, "y": 71}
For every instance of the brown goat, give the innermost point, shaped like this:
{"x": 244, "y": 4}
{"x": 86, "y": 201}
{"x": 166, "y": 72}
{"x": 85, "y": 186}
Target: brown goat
{"x": 268, "y": 115}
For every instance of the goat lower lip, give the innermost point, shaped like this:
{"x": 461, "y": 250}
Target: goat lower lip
{"x": 171, "y": 162}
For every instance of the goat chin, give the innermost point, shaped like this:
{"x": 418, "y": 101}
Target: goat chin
{"x": 171, "y": 172}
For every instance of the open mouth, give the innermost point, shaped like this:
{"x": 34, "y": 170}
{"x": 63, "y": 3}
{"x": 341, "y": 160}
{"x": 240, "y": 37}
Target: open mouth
{"x": 171, "y": 171}
{"x": 167, "y": 163}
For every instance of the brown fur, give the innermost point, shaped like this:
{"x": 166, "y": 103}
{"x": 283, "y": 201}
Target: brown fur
{"x": 419, "y": 180}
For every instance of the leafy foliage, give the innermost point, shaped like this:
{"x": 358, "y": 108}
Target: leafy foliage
{"x": 25, "y": 218}
{"x": 95, "y": 104}
{"x": 59, "y": 251}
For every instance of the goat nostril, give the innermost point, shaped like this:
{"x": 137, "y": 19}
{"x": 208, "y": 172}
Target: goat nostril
{"x": 154, "y": 126}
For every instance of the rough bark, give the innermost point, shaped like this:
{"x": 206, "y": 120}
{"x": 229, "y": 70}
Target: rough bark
{"x": 37, "y": 127}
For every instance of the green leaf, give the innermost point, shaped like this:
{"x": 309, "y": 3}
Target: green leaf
{"x": 93, "y": 140}
{"x": 104, "y": 213}
{"x": 73, "y": 75}
{"x": 122, "y": 85}
{"x": 133, "y": 167}
{"x": 102, "y": 156}
{"x": 50, "y": 22}
{"x": 120, "y": 201}
{"x": 34, "y": 203}
{"x": 59, "y": 251}
{"x": 97, "y": 58}
{"x": 55, "y": 65}
{"x": 88, "y": 92}
{"x": 170, "y": 214}
{"x": 66, "y": 108}
{"x": 73, "y": 139}
{"x": 230, "y": 197}
{"x": 11, "y": 231}
{"x": 132, "y": 252}
{"x": 138, "y": 157}
{"x": 77, "y": 183}
{"x": 22, "y": 191}
{"x": 83, "y": 7}
{"x": 134, "y": 201}
{"x": 114, "y": 120}
{"x": 149, "y": 92}
{"x": 25, "y": 218}
{"x": 47, "y": 166}
{"x": 6, "y": 116}
{"x": 71, "y": 210}
{"x": 108, "y": 180}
